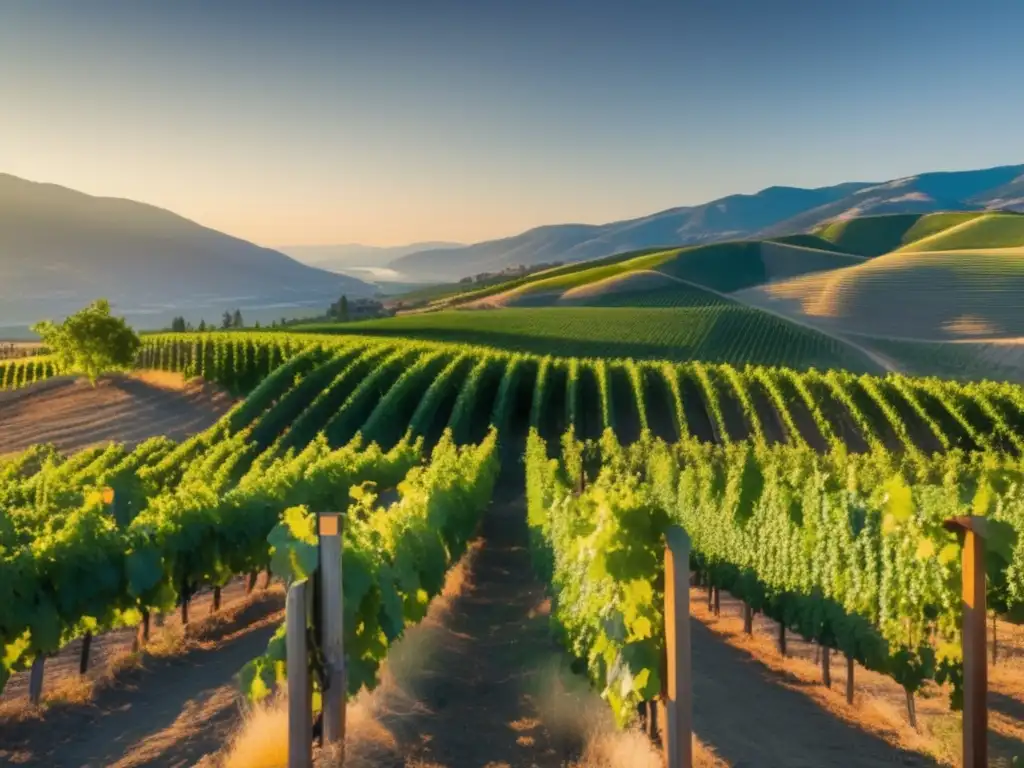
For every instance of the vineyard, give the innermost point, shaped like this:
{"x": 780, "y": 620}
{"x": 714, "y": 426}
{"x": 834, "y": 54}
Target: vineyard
{"x": 719, "y": 332}
{"x": 816, "y": 498}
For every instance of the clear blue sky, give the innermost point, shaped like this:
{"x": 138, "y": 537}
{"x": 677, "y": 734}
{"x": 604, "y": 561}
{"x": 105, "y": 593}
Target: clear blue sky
{"x": 386, "y": 122}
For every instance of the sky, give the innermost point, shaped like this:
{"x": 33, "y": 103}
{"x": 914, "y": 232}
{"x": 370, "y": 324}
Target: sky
{"x": 384, "y": 122}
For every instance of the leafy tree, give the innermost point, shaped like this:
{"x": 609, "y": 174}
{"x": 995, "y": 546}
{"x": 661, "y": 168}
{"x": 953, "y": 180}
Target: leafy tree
{"x": 226, "y": 321}
{"x": 343, "y": 309}
{"x": 202, "y": 324}
{"x": 178, "y": 325}
{"x": 90, "y": 342}
{"x": 236, "y": 320}
{"x": 257, "y": 325}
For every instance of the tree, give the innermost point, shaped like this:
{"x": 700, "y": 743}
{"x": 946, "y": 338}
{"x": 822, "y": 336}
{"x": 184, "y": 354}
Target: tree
{"x": 226, "y": 321}
{"x": 178, "y": 325}
{"x": 257, "y": 325}
{"x": 202, "y": 325}
{"x": 236, "y": 321}
{"x": 90, "y": 342}
{"x": 343, "y": 309}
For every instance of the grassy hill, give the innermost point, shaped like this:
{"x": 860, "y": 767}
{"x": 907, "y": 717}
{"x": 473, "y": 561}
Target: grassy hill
{"x": 726, "y": 333}
{"x": 931, "y": 295}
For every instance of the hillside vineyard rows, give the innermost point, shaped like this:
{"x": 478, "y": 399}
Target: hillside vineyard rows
{"x": 816, "y": 498}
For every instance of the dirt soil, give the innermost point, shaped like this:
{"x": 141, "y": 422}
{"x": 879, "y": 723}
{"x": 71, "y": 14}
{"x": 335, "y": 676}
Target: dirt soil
{"x": 481, "y": 708}
{"x": 74, "y": 415}
{"x": 169, "y": 711}
{"x": 478, "y": 686}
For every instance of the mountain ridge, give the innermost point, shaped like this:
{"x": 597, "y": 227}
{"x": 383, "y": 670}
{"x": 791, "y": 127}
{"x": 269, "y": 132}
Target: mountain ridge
{"x": 60, "y": 249}
{"x": 771, "y": 212}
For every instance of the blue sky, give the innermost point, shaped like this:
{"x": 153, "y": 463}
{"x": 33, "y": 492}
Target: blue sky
{"x": 388, "y": 122}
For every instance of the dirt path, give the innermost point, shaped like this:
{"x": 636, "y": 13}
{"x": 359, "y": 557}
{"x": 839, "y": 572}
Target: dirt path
{"x": 751, "y": 718}
{"x": 72, "y": 414}
{"x": 170, "y": 712}
{"x": 477, "y": 686}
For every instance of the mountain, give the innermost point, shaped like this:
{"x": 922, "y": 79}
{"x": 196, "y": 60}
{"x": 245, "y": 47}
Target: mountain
{"x": 770, "y": 213}
{"x": 60, "y": 249}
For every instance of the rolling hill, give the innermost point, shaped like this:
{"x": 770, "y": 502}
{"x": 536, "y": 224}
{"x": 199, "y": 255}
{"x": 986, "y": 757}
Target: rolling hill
{"x": 773, "y": 212}
{"x": 60, "y": 249}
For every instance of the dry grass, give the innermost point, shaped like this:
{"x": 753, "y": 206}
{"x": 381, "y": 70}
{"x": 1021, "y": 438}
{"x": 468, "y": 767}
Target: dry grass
{"x": 380, "y": 721}
{"x": 879, "y": 705}
{"x": 65, "y": 687}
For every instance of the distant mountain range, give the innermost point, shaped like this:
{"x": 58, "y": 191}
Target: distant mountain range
{"x": 771, "y": 212}
{"x": 60, "y": 249}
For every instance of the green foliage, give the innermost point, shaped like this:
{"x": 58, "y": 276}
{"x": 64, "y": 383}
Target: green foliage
{"x": 850, "y": 551}
{"x": 90, "y": 342}
{"x": 394, "y": 558}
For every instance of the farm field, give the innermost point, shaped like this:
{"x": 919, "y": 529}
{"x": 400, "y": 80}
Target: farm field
{"x": 714, "y": 332}
{"x": 263, "y": 455}
{"x": 874, "y": 284}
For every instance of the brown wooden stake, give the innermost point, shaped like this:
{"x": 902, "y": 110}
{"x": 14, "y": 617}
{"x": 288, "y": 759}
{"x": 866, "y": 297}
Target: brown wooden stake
{"x": 911, "y": 708}
{"x": 748, "y": 619}
{"x": 849, "y": 679}
{"x": 995, "y": 640}
{"x": 332, "y": 631}
{"x": 826, "y": 666}
{"x": 269, "y": 577}
{"x": 782, "y": 638}
{"x": 83, "y": 661}
{"x": 711, "y": 595}
{"x": 35, "y": 680}
{"x": 252, "y": 582}
{"x": 184, "y": 604}
{"x": 975, "y": 640}
{"x": 216, "y": 600}
{"x": 300, "y": 701}
{"x": 718, "y": 602}
{"x": 678, "y": 725}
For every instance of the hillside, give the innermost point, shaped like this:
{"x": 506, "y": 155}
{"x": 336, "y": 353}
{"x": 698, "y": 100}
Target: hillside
{"x": 934, "y": 295}
{"x": 773, "y": 212}
{"x": 60, "y": 249}
{"x": 709, "y": 331}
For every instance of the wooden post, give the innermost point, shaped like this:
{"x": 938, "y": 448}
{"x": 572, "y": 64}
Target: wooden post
{"x": 975, "y": 640}
{"x": 300, "y": 702}
{"x": 184, "y": 603}
{"x": 678, "y": 725}
{"x": 849, "y": 679}
{"x": 826, "y": 666}
{"x": 332, "y": 638}
{"x": 748, "y": 619}
{"x": 718, "y": 602}
{"x": 83, "y": 661}
{"x": 142, "y": 633}
{"x": 35, "y": 680}
{"x": 216, "y": 600}
{"x": 782, "y": 638}
{"x": 252, "y": 582}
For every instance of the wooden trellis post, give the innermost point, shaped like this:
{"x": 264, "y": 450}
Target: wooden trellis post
{"x": 972, "y": 532}
{"x": 332, "y": 637}
{"x": 678, "y": 725}
{"x": 300, "y": 701}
